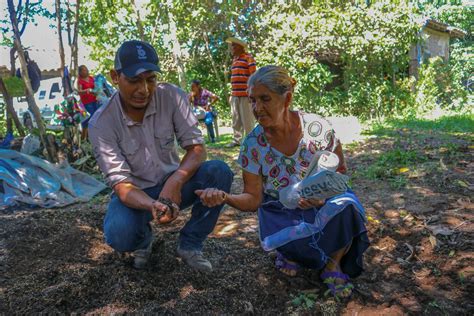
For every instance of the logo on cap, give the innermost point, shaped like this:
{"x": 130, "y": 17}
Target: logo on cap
{"x": 141, "y": 52}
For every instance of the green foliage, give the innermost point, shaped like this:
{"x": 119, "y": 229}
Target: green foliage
{"x": 348, "y": 57}
{"x": 463, "y": 123}
{"x": 397, "y": 165}
{"x": 369, "y": 43}
{"x": 3, "y": 118}
{"x": 306, "y": 301}
{"x": 393, "y": 166}
{"x": 437, "y": 85}
{"x": 389, "y": 163}
{"x": 15, "y": 86}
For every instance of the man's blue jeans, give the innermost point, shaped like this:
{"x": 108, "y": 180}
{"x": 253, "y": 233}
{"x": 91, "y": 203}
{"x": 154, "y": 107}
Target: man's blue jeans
{"x": 128, "y": 229}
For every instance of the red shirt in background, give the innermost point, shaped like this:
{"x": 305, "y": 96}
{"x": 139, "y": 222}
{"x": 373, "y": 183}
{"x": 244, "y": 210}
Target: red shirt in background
{"x": 87, "y": 98}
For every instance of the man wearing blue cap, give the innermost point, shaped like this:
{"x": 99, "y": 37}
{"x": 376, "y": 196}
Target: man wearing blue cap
{"x": 134, "y": 143}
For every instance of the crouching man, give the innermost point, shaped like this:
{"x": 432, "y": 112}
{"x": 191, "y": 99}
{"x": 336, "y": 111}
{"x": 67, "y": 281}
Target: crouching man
{"x": 133, "y": 137}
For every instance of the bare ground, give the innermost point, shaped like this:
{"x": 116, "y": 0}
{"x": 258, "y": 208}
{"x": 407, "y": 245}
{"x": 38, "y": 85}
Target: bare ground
{"x": 420, "y": 261}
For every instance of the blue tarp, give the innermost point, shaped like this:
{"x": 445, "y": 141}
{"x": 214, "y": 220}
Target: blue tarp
{"x": 34, "y": 181}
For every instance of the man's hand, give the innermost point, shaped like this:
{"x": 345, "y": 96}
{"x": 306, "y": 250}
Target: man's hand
{"x": 310, "y": 203}
{"x": 165, "y": 211}
{"x": 170, "y": 196}
{"x": 172, "y": 190}
{"x": 158, "y": 210}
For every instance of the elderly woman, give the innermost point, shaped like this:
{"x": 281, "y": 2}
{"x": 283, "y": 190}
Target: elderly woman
{"x": 276, "y": 154}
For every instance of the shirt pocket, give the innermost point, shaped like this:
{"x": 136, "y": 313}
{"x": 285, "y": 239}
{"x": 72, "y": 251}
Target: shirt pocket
{"x": 129, "y": 149}
{"x": 165, "y": 148}
{"x": 164, "y": 140}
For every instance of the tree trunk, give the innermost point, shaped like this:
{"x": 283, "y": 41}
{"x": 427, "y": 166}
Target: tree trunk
{"x": 11, "y": 114}
{"x": 9, "y": 121}
{"x": 214, "y": 67}
{"x": 176, "y": 47}
{"x": 139, "y": 21}
{"x": 61, "y": 44}
{"x": 51, "y": 152}
{"x": 74, "y": 46}
{"x": 155, "y": 28}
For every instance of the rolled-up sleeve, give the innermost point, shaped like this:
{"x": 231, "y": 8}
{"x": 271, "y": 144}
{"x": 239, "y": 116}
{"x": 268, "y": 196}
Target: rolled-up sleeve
{"x": 186, "y": 123}
{"x": 109, "y": 157}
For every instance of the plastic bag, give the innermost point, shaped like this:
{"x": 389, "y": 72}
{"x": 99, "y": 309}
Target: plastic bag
{"x": 31, "y": 143}
{"x": 322, "y": 182}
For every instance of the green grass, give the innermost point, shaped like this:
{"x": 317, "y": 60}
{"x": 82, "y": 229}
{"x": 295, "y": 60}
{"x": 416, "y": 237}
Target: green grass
{"x": 222, "y": 140}
{"x": 462, "y": 123}
{"x": 393, "y": 165}
{"x": 433, "y": 138}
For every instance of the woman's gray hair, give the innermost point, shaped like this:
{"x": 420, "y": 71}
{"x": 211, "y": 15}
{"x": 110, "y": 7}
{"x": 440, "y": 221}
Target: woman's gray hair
{"x": 275, "y": 78}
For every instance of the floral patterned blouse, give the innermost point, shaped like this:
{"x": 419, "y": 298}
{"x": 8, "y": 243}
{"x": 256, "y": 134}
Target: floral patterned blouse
{"x": 257, "y": 156}
{"x": 203, "y": 99}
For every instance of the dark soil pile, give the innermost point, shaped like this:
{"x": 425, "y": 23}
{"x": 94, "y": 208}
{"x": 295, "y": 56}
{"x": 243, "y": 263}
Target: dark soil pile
{"x": 421, "y": 259}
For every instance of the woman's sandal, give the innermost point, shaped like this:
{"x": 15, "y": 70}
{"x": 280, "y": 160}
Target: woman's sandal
{"x": 337, "y": 289}
{"x": 281, "y": 263}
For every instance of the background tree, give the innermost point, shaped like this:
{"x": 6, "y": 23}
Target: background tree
{"x": 60, "y": 42}
{"x": 11, "y": 116}
{"x": 349, "y": 57}
{"x": 72, "y": 28}
{"x": 50, "y": 148}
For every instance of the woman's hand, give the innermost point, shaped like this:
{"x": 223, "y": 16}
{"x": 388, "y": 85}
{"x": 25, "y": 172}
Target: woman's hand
{"x": 211, "y": 197}
{"x": 310, "y": 203}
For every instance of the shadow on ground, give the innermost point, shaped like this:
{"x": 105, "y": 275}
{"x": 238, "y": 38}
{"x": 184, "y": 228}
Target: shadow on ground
{"x": 420, "y": 262}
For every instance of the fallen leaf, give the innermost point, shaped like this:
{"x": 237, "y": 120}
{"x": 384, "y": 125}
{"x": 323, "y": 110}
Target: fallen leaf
{"x": 403, "y": 170}
{"x": 371, "y": 219}
{"x": 451, "y": 253}
{"x": 81, "y": 161}
{"x": 465, "y": 204}
{"x": 412, "y": 252}
{"x": 440, "y": 230}
{"x": 442, "y": 165}
{"x": 432, "y": 241}
{"x": 462, "y": 183}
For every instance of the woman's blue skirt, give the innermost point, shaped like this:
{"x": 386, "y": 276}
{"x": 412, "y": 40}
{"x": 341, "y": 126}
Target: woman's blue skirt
{"x": 313, "y": 252}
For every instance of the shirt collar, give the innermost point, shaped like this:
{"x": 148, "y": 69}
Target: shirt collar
{"x": 150, "y": 110}
{"x": 240, "y": 56}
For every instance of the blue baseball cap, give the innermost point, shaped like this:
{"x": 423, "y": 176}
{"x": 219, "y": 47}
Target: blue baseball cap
{"x": 134, "y": 57}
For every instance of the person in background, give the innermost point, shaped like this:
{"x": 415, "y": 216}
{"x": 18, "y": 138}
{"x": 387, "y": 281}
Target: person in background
{"x": 277, "y": 154}
{"x": 243, "y": 66}
{"x": 85, "y": 88}
{"x": 203, "y": 98}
